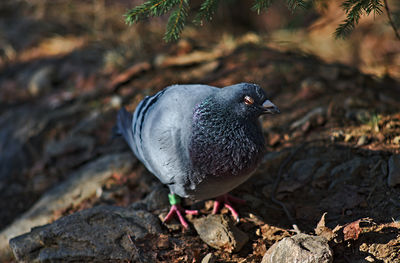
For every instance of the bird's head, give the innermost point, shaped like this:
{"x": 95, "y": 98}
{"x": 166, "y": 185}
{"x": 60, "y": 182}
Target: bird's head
{"x": 245, "y": 100}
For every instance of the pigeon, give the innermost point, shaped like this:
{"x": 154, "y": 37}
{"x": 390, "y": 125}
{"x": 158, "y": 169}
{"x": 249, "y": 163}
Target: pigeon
{"x": 199, "y": 140}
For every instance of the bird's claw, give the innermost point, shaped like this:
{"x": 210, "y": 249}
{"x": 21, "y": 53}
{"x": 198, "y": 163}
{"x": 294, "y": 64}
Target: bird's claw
{"x": 227, "y": 199}
{"x": 177, "y": 209}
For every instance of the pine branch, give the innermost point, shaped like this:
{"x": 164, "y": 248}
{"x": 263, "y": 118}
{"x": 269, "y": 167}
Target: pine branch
{"x": 354, "y": 10}
{"x": 261, "y": 5}
{"x": 206, "y": 11}
{"x": 396, "y": 32}
{"x": 176, "y": 21}
{"x": 148, "y": 9}
{"x": 293, "y": 4}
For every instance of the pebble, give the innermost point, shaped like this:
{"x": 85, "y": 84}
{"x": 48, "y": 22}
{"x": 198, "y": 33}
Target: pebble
{"x": 219, "y": 232}
{"x": 116, "y": 102}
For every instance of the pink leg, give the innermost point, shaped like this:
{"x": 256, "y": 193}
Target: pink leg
{"x": 227, "y": 199}
{"x": 178, "y": 210}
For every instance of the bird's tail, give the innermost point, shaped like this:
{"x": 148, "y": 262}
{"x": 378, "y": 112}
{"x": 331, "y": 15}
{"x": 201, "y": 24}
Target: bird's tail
{"x": 124, "y": 127}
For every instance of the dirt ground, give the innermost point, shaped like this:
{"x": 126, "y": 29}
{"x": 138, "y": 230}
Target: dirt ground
{"x": 64, "y": 75}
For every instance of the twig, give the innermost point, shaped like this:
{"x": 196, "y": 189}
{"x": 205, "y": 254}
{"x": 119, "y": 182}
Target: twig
{"x": 135, "y": 251}
{"x": 391, "y": 20}
{"x": 275, "y": 188}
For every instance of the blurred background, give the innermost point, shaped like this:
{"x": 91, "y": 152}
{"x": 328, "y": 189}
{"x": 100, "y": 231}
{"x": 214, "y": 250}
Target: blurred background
{"x": 66, "y": 67}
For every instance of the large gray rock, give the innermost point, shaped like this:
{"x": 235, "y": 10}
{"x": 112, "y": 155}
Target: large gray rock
{"x": 99, "y": 234}
{"x": 79, "y": 186}
{"x": 219, "y": 232}
{"x": 299, "y": 248}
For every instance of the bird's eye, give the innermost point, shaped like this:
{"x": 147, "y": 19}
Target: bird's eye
{"x": 248, "y": 100}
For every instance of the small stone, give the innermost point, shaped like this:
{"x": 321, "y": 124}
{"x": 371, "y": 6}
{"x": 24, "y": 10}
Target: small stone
{"x": 209, "y": 258}
{"x": 394, "y": 170}
{"x": 396, "y": 140}
{"x": 299, "y": 248}
{"x": 219, "y": 232}
{"x": 116, "y": 102}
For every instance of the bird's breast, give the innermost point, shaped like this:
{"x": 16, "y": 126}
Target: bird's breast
{"x": 225, "y": 152}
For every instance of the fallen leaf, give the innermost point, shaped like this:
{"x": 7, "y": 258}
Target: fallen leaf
{"x": 352, "y": 230}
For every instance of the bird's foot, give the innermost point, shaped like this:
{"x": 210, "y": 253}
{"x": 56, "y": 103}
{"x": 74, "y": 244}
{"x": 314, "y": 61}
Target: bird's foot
{"x": 227, "y": 199}
{"x": 177, "y": 209}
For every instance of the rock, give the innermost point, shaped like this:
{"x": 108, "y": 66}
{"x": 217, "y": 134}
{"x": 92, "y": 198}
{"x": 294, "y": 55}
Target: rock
{"x": 394, "y": 170}
{"x": 99, "y": 234}
{"x": 299, "y": 248}
{"x": 209, "y": 258}
{"x": 219, "y": 232}
{"x": 396, "y": 140}
{"x": 80, "y": 185}
{"x": 116, "y": 102}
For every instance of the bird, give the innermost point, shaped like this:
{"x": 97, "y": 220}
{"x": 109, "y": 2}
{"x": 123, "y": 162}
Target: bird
{"x": 199, "y": 140}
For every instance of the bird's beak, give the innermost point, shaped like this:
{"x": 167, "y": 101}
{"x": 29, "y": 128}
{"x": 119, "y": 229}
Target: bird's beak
{"x": 269, "y": 108}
